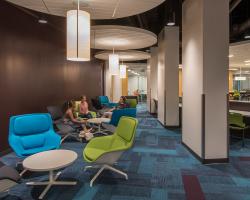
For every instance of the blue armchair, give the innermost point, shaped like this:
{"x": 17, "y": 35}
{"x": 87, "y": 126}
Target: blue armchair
{"x": 117, "y": 114}
{"x": 104, "y": 100}
{"x": 32, "y": 133}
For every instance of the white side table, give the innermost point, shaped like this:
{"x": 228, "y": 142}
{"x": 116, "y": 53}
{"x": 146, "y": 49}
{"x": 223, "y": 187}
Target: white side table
{"x": 50, "y": 161}
{"x": 99, "y": 122}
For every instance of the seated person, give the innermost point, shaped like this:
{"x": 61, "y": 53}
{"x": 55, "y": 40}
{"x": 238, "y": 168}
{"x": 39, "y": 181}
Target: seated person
{"x": 69, "y": 116}
{"x": 84, "y": 108}
{"x": 121, "y": 105}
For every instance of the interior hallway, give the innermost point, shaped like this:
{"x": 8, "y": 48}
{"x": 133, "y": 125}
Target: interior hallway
{"x": 159, "y": 168}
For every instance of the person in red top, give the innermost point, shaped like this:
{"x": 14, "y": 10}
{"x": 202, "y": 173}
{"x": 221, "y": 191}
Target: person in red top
{"x": 84, "y": 108}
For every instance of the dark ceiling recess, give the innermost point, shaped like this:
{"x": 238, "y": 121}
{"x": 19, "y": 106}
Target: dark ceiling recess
{"x": 154, "y": 20}
{"x": 239, "y": 19}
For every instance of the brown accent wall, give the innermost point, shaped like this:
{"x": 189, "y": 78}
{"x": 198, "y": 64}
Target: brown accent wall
{"x": 34, "y": 72}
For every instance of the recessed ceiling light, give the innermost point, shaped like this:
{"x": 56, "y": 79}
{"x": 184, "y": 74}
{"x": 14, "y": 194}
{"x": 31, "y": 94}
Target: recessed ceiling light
{"x": 247, "y": 37}
{"x": 247, "y": 64}
{"x": 42, "y": 21}
{"x": 233, "y": 69}
{"x": 171, "y": 23}
{"x": 231, "y": 55}
{"x": 247, "y": 61}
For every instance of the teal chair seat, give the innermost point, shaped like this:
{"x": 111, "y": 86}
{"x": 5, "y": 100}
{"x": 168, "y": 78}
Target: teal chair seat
{"x": 105, "y": 151}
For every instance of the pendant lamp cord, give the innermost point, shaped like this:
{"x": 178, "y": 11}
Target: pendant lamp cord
{"x": 46, "y": 6}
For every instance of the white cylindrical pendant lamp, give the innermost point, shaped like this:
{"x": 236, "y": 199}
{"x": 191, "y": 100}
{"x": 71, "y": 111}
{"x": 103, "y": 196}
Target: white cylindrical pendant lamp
{"x": 123, "y": 71}
{"x": 78, "y": 35}
{"x": 114, "y": 64}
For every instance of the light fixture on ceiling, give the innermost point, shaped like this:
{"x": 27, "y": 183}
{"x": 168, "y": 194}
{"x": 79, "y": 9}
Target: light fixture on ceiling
{"x": 78, "y": 35}
{"x": 42, "y": 21}
{"x": 233, "y": 69}
{"x": 171, "y": 20}
{"x": 114, "y": 64}
{"x": 240, "y": 78}
{"x": 247, "y": 34}
{"x": 123, "y": 71}
{"x": 247, "y": 61}
{"x": 230, "y": 56}
{"x": 247, "y": 64}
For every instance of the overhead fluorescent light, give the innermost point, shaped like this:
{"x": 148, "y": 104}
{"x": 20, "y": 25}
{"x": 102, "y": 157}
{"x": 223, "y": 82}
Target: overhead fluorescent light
{"x": 240, "y": 78}
{"x": 233, "y": 69}
{"x": 247, "y": 64}
{"x": 247, "y": 61}
{"x": 42, "y": 21}
{"x": 231, "y": 55}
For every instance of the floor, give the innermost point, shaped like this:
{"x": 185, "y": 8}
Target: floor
{"x": 159, "y": 168}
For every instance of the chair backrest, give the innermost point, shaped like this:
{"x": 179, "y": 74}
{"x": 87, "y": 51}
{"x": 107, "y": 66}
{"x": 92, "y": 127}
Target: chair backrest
{"x": 126, "y": 130}
{"x": 236, "y": 119}
{"x": 55, "y": 112}
{"x": 96, "y": 104}
{"x": 31, "y": 131}
{"x": 103, "y": 99}
{"x": 117, "y": 114}
{"x": 132, "y": 103}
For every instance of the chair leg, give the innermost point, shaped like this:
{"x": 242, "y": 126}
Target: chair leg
{"x": 96, "y": 176}
{"x": 117, "y": 171}
{"x": 103, "y": 168}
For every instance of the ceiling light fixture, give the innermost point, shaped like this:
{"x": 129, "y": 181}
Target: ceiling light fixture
{"x": 123, "y": 71}
{"x": 42, "y": 21}
{"x": 114, "y": 63}
{"x": 171, "y": 20}
{"x": 240, "y": 78}
{"x": 231, "y": 55}
{"x": 247, "y": 61}
{"x": 78, "y": 35}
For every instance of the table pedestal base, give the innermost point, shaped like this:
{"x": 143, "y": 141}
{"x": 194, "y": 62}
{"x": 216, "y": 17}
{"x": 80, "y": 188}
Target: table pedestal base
{"x": 52, "y": 181}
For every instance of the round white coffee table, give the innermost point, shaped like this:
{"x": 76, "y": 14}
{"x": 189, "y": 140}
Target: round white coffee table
{"x": 50, "y": 161}
{"x": 99, "y": 122}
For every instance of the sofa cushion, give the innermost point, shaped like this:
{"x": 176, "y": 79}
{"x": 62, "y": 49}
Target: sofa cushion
{"x": 33, "y": 141}
{"x": 33, "y": 124}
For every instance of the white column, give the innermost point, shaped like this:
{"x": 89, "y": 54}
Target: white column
{"x": 168, "y": 76}
{"x": 205, "y": 83}
{"x": 148, "y": 86}
{"x": 108, "y": 81}
{"x": 152, "y": 76}
{"x": 117, "y": 88}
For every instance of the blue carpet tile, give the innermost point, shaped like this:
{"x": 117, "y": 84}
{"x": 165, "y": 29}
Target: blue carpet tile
{"x": 159, "y": 168}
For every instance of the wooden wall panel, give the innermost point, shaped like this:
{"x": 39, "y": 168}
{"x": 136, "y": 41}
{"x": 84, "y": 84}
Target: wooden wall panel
{"x": 34, "y": 72}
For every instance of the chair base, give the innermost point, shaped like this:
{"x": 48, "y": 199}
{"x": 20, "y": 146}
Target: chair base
{"x": 52, "y": 181}
{"x": 102, "y": 168}
{"x": 73, "y": 135}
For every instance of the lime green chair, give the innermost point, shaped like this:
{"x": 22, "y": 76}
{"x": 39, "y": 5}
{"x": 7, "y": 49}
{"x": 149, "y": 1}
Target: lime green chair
{"x": 132, "y": 103}
{"x": 103, "y": 152}
{"x": 236, "y": 122}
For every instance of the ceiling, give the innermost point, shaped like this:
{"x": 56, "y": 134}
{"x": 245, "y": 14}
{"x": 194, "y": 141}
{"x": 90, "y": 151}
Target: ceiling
{"x": 239, "y": 55}
{"x": 108, "y": 37}
{"x": 126, "y": 56}
{"x": 98, "y": 9}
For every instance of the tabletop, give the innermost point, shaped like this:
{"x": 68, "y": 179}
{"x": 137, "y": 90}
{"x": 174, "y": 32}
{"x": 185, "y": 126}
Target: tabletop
{"x": 98, "y": 120}
{"x": 50, "y": 160}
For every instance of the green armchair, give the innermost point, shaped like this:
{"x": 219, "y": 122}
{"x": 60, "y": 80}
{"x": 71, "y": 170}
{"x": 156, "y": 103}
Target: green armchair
{"x": 236, "y": 122}
{"x": 103, "y": 152}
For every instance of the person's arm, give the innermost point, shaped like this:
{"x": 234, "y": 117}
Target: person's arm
{"x": 73, "y": 119}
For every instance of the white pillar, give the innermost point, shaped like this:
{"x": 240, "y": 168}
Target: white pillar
{"x": 148, "y": 86}
{"x": 152, "y": 78}
{"x": 205, "y": 78}
{"x": 117, "y": 88}
{"x": 168, "y": 76}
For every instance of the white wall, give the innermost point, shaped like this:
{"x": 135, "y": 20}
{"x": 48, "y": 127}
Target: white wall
{"x": 153, "y": 63}
{"x": 205, "y": 63}
{"x": 137, "y": 82}
{"x": 168, "y": 76}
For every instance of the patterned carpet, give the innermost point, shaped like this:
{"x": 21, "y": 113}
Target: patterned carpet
{"x": 159, "y": 168}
